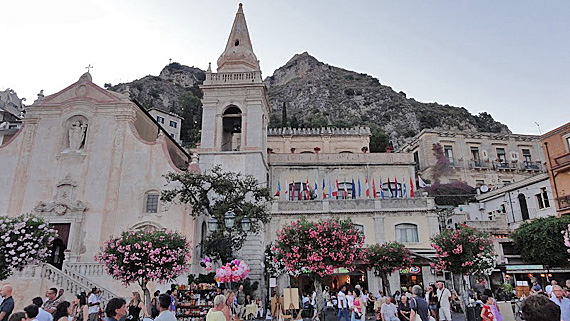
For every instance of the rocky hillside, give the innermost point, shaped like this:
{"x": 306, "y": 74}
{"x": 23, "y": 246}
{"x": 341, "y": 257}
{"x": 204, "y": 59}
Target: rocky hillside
{"x": 314, "y": 95}
{"x": 175, "y": 90}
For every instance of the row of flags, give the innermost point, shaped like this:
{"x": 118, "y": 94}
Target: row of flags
{"x": 303, "y": 191}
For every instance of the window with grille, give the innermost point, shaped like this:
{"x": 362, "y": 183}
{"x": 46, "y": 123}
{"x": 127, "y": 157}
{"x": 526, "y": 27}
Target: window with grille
{"x": 407, "y": 233}
{"x": 526, "y": 155}
{"x": 151, "y": 203}
{"x": 501, "y": 154}
{"x": 448, "y": 150}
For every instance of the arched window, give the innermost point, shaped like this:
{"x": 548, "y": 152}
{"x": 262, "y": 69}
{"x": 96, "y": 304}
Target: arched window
{"x": 231, "y": 129}
{"x": 407, "y": 233}
{"x": 524, "y": 207}
{"x": 151, "y": 202}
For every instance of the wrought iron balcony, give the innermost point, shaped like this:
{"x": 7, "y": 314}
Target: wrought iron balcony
{"x": 561, "y": 161}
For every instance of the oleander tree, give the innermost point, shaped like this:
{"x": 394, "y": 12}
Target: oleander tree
{"x": 24, "y": 240}
{"x": 317, "y": 248}
{"x": 385, "y": 259}
{"x": 464, "y": 251}
{"x": 215, "y": 193}
{"x": 142, "y": 257}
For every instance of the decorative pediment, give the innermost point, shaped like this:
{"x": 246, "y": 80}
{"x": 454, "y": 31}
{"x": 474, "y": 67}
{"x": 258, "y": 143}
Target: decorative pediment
{"x": 64, "y": 200}
{"x": 83, "y": 89}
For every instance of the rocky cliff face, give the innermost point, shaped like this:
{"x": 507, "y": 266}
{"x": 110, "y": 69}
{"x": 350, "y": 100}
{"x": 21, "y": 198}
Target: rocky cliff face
{"x": 315, "y": 95}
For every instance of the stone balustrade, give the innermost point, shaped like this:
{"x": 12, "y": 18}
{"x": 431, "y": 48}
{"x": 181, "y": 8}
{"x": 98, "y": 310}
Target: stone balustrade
{"x": 71, "y": 282}
{"x": 88, "y": 268}
{"x": 353, "y": 205}
{"x": 318, "y": 131}
{"x": 233, "y": 78}
{"x": 343, "y": 158}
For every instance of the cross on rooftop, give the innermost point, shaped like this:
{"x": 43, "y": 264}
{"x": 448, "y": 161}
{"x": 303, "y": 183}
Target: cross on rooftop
{"x": 170, "y": 60}
{"x": 89, "y": 67}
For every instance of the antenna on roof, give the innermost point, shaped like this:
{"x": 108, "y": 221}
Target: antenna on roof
{"x": 538, "y": 125}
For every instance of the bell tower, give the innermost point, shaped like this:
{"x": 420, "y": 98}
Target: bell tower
{"x": 235, "y": 109}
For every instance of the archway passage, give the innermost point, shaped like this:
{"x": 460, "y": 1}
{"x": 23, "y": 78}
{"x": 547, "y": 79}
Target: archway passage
{"x": 59, "y": 245}
{"x": 231, "y": 129}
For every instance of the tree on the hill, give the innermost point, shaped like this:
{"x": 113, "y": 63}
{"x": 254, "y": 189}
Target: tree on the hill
{"x": 317, "y": 248}
{"x": 216, "y": 193}
{"x": 191, "y": 107}
{"x": 284, "y": 120}
{"x": 542, "y": 241}
{"x": 384, "y": 259}
{"x": 24, "y": 240}
{"x": 142, "y": 257}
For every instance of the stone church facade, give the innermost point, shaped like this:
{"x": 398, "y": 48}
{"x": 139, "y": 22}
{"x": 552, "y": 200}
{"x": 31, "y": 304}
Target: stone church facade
{"x": 90, "y": 162}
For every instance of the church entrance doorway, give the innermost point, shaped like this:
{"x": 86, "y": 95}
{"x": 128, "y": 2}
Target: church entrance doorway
{"x": 59, "y": 245}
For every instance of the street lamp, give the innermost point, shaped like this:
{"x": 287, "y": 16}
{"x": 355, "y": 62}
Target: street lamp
{"x": 230, "y": 218}
{"x": 229, "y": 222}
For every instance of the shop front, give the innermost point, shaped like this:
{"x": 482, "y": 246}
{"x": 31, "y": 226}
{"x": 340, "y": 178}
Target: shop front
{"x": 334, "y": 281}
{"x": 411, "y": 276}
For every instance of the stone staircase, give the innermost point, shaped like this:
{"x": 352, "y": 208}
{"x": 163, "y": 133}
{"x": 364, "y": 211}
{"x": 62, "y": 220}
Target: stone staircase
{"x": 73, "y": 278}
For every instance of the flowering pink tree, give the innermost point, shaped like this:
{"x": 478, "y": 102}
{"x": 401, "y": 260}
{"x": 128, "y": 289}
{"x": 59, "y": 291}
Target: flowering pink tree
{"x": 142, "y": 257}
{"x": 23, "y": 240}
{"x": 384, "y": 259}
{"x": 317, "y": 248}
{"x": 465, "y": 251}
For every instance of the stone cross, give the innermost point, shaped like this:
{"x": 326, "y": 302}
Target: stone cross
{"x": 89, "y": 67}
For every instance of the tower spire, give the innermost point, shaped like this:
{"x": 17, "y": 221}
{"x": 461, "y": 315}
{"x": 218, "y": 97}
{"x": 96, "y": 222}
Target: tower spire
{"x": 238, "y": 55}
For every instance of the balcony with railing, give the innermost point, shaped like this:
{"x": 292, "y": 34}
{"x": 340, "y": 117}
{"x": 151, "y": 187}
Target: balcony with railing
{"x": 505, "y": 165}
{"x": 479, "y": 164}
{"x": 532, "y": 166}
{"x": 233, "y": 78}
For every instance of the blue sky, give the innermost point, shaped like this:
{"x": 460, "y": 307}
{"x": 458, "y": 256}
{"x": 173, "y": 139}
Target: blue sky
{"x": 509, "y": 58}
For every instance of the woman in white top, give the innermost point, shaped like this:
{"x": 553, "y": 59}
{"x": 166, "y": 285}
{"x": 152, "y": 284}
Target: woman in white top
{"x": 350, "y": 300}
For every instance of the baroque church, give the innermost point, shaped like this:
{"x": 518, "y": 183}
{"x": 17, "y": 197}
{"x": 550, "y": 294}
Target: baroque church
{"x": 91, "y": 162}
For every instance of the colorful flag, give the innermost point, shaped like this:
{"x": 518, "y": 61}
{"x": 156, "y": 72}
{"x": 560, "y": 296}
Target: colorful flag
{"x": 373, "y": 188}
{"x": 330, "y": 188}
{"x": 307, "y": 190}
{"x": 324, "y": 192}
{"x": 293, "y": 191}
{"x": 335, "y": 190}
{"x": 396, "y": 187}
{"x": 286, "y": 190}
{"x": 345, "y": 189}
{"x": 381, "y": 188}
{"x": 411, "y": 187}
{"x": 359, "y": 189}
{"x": 353, "y": 189}
{"x": 316, "y": 189}
{"x": 278, "y": 189}
{"x": 390, "y": 195}
{"x": 421, "y": 183}
{"x": 405, "y": 190}
{"x": 367, "y": 188}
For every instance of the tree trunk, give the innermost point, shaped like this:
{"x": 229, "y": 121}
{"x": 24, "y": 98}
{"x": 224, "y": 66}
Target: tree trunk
{"x": 319, "y": 300}
{"x": 146, "y": 296}
{"x": 386, "y": 284}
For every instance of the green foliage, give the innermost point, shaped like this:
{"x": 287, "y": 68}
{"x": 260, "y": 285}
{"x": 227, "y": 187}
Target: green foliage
{"x": 214, "y": 193}
{"x": 284, "y": 120}
{"x": 378, "y": 140}
{"x": 191, "y": 107}
{"x": 541, "y": 241}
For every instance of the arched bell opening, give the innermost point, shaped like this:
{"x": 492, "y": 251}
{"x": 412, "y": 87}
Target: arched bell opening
{"x": 231, "y": 129}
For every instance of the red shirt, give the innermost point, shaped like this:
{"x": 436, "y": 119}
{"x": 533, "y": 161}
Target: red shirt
{"x": 487, "y": 312}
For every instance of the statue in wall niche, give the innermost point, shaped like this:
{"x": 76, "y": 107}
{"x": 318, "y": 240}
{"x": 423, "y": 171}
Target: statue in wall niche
{"x": 77, "y": 135}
